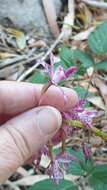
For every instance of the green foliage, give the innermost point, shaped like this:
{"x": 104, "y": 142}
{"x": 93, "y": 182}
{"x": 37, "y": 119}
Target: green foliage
{"x": 82, "y": 92}
{"x": 39, "y": 77}
{"x": 76, "y": 58}
{"x": 66, "y": 57}
{"x": 101, "y": 65}
{"x": 76, "y": 169}
{"x": 48, "y": 185}
{"x": 97, "y": 40}
{"x": 84, "y": 58}
{"x": 80, "y": 167}
{"x": 98, "y": 177}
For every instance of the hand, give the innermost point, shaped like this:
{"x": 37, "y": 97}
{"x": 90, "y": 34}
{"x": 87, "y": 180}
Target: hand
{"x": 25, "y": 127}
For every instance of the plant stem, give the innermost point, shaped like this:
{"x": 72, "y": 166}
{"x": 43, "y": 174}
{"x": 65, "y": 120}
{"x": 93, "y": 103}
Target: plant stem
{"x": 78, "y": 124}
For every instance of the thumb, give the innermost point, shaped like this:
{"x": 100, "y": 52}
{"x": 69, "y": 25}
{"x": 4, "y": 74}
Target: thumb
{"x": 23, "y": 136}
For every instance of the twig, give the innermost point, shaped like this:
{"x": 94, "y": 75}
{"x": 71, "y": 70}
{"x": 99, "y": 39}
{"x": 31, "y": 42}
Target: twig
{"x": 26, "y": 73}
{"x": 12, "y": 61}
{"x": 30, "y": 70}
{"x": 51, "y": 17}
{"x": 96, "y": 4}
{"x": 69, "y": 20}
{"x": 53, "y": 46}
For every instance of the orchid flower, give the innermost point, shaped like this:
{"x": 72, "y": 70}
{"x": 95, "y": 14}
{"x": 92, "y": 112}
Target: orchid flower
{"x": 79, "y": 113}
{"x": 55, "y": 170}
{"x": 58, "y": 74}
{"x": 65, "y": 159}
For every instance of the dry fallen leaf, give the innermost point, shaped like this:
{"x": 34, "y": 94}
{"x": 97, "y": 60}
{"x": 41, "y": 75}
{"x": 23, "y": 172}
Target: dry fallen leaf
{"x": 20, "y": 37}
{"x": 97, "y": 101}
{"x": 5, "y": 55}
{"x": 85, "y": 16}
{"x": 37, "y": 44}
{"x": 83, "y": 35}
{"x": 103, "y": 89}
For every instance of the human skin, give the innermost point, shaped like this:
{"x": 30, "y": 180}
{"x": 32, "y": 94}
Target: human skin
{"x": 25, "y": 126}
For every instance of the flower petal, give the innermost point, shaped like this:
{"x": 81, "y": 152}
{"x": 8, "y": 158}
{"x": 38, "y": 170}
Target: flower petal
{"x": 58, "y": 75}
{"x": 70, "y": 71}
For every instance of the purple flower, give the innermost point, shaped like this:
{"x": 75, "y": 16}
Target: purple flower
{"x": 80, "y": 114}
{"x": 61, "y": 74}
{"x": 55, "y": 172}
{"x": 58, "y": 74}
{"x": 61, "y": 163}
{"x": 87, "y": 151}
{"x": 65, "y": 159}
{"x": 86, "y": 117}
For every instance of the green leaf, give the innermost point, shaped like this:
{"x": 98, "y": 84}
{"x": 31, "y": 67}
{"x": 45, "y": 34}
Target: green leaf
{"x": 76, "y": 169}
{"x": 101, "y": 65}
{"x": 39, "y": 77}
{"x": 97, "y": 40}
{"x": 79, "y": 168}
{"x": 82, "y": 92}
{"x": 84, "y": 58}
{"x": 76, "y": 57}
{"x": 48, "y": 185}
{"x": 66, "y": 57}
{"x": 98, "y": 177}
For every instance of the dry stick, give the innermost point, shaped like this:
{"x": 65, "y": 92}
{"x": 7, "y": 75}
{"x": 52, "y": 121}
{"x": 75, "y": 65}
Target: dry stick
{"x": 12, "y": 61}
{"x": 51, "y": 17}
{"x": 26, "y": 73}
{"x": 96, "y": 4}
{"x": 30, "y": 70}
{"x": 69, "y": 20}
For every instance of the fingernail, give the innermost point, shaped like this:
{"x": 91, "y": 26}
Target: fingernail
{"x": 49, "y": 121}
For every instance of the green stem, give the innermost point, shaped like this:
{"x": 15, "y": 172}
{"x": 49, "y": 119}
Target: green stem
{"x": 78, "y": 124}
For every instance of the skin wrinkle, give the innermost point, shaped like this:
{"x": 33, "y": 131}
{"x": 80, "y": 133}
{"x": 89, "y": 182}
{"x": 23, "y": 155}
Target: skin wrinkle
{"x": 14, "y": 139}
{"x": 25, "y": 142}
{"x": 8, "y": 148}
{"x": 7, "y": 132}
